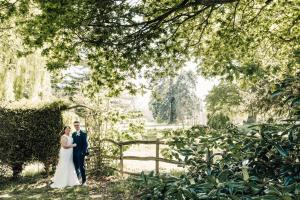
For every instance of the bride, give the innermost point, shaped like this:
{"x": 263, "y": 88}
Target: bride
{"x": 65, "y": 174}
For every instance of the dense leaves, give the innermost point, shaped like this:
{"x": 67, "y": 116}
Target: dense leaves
{"x": 30, "y": 134}
{"x": 224, "y": 98}
{"x": 118, "y": 39}
{"x": 259, "y": 162}
{"x": 234, "y": 101}
{"x": 255, "y": 162}
{"x": 282, "y": 99}
{"x": 217, "y": 120}
{"x": 21, "y": 76}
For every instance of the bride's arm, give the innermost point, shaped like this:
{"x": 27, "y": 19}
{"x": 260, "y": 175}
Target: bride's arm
{"x": 64, "y": 143}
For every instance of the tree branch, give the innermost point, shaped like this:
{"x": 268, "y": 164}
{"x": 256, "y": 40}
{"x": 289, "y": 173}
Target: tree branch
{"x": 79, "y": 106}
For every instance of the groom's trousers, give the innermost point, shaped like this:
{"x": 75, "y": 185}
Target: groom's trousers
{"x": 78, "y": 160}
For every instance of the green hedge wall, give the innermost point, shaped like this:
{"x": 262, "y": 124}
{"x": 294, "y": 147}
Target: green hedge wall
{"x": 30, "y": 134}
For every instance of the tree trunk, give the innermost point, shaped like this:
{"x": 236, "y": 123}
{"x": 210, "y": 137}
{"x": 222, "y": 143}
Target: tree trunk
{"x": 172, "y": 111}
{"x": 172, "y": 118}
{"x": 251, "y": 117}
{"x": 17, "y": 169}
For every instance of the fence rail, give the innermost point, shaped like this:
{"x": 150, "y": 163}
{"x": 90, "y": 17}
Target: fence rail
{"x": 155, "y": 158}
{"x": 134, "y": 142}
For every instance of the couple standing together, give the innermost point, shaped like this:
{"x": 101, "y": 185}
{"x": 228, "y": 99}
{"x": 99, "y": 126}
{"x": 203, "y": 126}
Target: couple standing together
{"x": 70, "y": 168}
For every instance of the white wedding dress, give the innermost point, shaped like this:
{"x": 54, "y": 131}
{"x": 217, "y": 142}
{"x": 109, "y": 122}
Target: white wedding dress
{"x": 65, "y": 174}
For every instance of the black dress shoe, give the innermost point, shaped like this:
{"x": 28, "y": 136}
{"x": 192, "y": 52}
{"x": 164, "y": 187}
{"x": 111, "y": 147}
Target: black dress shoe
{"x": 84, "y": 183}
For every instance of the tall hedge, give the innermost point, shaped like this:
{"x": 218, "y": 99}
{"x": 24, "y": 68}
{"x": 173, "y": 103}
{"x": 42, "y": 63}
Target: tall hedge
{"x": 30, "y": 134}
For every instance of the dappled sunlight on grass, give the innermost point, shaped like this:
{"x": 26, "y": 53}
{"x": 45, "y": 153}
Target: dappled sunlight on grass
{"x": 5, "y": 196}
{"x": 33, "y": 168}
{"x": 38, "y": 187}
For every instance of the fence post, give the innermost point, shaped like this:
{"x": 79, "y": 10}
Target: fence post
{"x": 157, "y": 157}
{"x": 121, "y": 159}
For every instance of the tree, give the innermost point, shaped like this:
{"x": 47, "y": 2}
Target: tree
{"x": 21, "y": 77}
{"x": 218, "y": 121}
{"x": 67, "y": 83}
{"x": 174, "y": 98}
{"x": 118, "y": 39}
{"x": 161, "y": 103}
{"x": 224, "y": 98}
{"x": 232, "y": 100}
{"x": 280, "y": 101}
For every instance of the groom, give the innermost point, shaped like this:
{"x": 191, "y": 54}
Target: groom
{"x": 80, "y": 151}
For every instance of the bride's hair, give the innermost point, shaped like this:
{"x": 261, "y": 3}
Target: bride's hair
{"x": 63, "y": 130}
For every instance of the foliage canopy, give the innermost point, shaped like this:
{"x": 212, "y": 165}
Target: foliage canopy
{"x": 224, "y": 98}
{"x": 119, "y": 39}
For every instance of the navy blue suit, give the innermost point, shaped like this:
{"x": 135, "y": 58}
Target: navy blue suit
{"x": 79, "y": 152}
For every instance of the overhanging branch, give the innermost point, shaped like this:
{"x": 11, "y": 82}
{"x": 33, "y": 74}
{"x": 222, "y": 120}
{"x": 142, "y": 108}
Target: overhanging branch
{"x": 79, "y": 106}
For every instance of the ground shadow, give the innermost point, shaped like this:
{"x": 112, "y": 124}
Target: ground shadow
{"x": 38, "y": 187}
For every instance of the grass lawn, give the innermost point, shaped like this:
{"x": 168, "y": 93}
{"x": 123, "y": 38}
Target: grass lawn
{"x": 38, "y": 187}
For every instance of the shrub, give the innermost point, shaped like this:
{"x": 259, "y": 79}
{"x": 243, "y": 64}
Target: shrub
{"x": 217, "y": 121}
{"x": 226, "y": 162}
{"x": 256, "y": 163}
{"x": 29, "y": 134}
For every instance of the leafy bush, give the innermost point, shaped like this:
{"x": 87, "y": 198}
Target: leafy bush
{"x": 110, "y": 125}
{"x": 29, "y": 134}
{"x": 217, "y": 120}
{"x": 257, "y": 163}
{"x": 227, "y": 162}
{"x": 5, "y": 171}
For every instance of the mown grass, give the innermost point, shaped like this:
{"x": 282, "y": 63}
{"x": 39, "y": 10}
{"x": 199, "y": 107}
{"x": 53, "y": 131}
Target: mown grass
{"x": 38, "y": 187}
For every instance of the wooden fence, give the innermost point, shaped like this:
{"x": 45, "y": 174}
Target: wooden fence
{"x": 155, "y": 158}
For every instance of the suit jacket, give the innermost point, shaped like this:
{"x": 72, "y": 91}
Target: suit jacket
{"x": 81, "y": 141}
